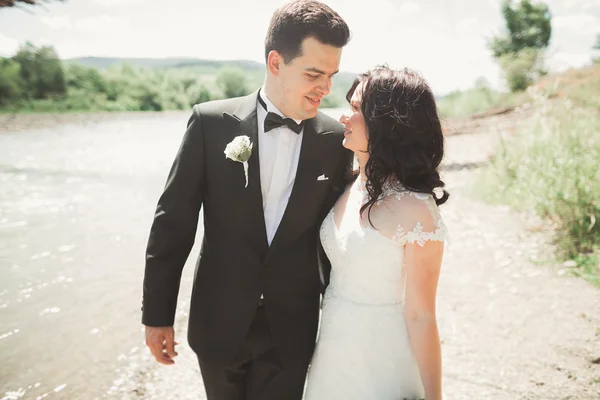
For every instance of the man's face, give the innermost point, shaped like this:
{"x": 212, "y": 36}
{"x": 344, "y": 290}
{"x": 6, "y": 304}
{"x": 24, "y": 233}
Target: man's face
{"x": 303, "y": 82}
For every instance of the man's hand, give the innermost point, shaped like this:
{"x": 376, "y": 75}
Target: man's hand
{"x": 161, "y": 342}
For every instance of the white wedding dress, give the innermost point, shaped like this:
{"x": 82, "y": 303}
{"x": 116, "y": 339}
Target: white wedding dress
{"x": 363, "y": 350}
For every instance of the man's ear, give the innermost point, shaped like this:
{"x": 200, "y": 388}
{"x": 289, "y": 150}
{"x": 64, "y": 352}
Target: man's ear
{"x": 274, "y": 61}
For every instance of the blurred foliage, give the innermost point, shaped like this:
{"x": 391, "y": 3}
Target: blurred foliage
{"x": 232, "y": 82}
{"x": 528, "y": 25}
{"x": 465, "y": 103}
{"x": 522, "y": 68}
{"x": 11, "y": 83}
{"x": 478, "y": 99}
{"x": 35, "y": 79}
{"x": 550, "y": 166}
{"x": 596, "y": 47}
{"x": 520, "y": 49}
{"x": 41, "y": 71}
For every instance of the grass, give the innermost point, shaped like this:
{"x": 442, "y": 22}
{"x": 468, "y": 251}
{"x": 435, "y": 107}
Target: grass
{"x": 581, "y": 86}
{"x": 552, "y": 167}
{"x": 477, "y": 100}
{"x": 588, "y": 268}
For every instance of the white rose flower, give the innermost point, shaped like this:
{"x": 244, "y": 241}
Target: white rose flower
{"x": 240, "y": 150}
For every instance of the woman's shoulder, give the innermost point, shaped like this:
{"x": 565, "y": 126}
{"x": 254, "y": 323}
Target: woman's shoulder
{"x": 416, "y": 215}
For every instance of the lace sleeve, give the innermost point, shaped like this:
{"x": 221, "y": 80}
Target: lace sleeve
{"x": 411, "y": 218}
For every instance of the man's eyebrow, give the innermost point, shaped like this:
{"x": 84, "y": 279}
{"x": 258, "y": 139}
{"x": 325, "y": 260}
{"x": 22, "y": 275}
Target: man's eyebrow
{"x": 318, "y": 71}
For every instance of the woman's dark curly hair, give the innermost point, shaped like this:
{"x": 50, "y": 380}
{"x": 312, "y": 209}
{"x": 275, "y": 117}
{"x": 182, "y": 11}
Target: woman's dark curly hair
{"x": 405, "y": 139}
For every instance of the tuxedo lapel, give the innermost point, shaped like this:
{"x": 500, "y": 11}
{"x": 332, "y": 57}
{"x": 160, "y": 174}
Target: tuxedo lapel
{"x": 294, "y": 221}
{"x": 244, "y": 122}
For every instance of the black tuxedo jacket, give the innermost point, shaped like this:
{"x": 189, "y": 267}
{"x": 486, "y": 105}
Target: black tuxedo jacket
{"x": 236, "y": 264}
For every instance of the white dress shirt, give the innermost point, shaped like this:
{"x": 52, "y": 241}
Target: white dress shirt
{"x": 278, "y": 153}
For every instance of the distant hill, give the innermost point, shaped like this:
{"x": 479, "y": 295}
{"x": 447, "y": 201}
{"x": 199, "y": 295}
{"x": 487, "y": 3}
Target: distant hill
{"x": 105, "y": 62}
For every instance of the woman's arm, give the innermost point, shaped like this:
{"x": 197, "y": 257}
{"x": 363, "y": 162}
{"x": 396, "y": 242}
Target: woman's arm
{"x": 422, "y": 266}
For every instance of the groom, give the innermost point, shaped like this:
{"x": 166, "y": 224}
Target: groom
{"x": 255, "y": 301}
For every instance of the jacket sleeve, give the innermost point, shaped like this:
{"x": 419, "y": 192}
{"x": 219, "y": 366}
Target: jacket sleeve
{"x": 174, "y": 227}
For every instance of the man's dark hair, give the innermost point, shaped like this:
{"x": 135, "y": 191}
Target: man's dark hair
{"x": 300, "y": 19}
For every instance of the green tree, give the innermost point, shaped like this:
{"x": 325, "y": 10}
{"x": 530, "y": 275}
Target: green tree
{"x": 41, "y": 71}
{"x": 520, "y": 49}
{"x": 11, "y": 84}
{"x": 51, "y": 78}
{"x": 596, "y": 47}
{"x": 25, "y": 57}
{"x": 521, "y": 69}
{"x": 188, "y": 82}
{"x": 149, "y": 99}
{"x": 528, "y": 25}
{"x": 199, "y": 94}
{"x": 233, "y": 82}
{"x": 145, "y": 88}
{"x": 118, "y": 81}
{"x": 80, "y": 77}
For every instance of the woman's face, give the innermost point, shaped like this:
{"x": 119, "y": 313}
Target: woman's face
{"x": 355, "y": 135}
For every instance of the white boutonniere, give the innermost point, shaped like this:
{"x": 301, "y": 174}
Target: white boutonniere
{"x": 240, "y": 150}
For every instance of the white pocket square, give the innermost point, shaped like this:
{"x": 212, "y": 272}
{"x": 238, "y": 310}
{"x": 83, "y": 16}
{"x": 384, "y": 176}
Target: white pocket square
{"x": 322, "y": 178}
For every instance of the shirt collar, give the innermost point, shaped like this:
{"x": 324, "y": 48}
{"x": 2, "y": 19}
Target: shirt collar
{"x": 271, "y": 107}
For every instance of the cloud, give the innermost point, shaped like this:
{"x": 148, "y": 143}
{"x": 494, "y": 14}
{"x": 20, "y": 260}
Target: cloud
{"x": 8, "y": 46}
{"x": 60, "y": 22}
{"x": 580, "y": 24}
{"x": 102, "y": 24}
{"x": 467, "y": 26}
{"x": 562, "y": 60}
{"x": 409, "y": 8}
{"x": 580, "y": 4}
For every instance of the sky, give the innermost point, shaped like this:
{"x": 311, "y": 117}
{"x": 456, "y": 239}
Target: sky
{"x": 445, "y": 40}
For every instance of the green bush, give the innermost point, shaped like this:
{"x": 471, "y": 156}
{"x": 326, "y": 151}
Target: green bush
{"x": 332, "y": 101}
{"x": 11, "y": 84}
{"x": 233, "y": 82}
{"x": 552, "y": 168}
{"x": 472, "y": 101}
{"x": 468, "y": 102}
{"x": 198, "y": 93}
{"x": 81, "y": 77}
{"x": 522, "y": 68}
{"x": 519, "y": 49}
{"x": 41, "y": 71}
{"x": 84, "y": 100}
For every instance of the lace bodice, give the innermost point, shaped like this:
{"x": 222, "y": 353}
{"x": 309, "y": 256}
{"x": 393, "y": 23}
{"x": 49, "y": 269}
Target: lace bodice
{"x": 367, "y": 260}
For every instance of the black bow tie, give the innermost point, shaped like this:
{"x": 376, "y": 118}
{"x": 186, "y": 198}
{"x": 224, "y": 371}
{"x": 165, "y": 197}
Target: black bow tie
{"x": 273, "y": 120}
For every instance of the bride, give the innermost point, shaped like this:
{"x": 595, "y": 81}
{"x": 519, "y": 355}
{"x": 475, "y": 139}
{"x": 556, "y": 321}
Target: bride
{"x": 385, "y": 238}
